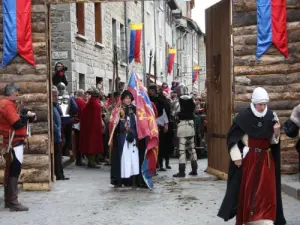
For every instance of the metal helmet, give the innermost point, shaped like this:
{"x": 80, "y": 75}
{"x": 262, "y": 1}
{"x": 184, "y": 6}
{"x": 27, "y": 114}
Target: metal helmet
{"x": 181, "y": 89}
{"x": 61, "y": 87}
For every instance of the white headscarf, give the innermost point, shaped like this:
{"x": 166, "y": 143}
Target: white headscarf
{"x": 259, "y": 96}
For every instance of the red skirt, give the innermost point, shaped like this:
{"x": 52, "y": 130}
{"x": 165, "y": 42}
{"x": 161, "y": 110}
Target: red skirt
{"x": 257, "y": 198}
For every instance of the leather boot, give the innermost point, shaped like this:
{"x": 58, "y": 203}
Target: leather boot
{"x": 13, "y": 203}
{"x": 181, "y": 171}
{"x": 194, "y": 165}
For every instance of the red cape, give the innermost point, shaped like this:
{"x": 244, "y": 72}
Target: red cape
{"x": 81, "y": 104}
{"x": 91, "y": 137}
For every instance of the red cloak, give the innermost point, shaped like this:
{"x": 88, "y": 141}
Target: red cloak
{"x": 81, "y": 104}
{"x": 91, "y": 137}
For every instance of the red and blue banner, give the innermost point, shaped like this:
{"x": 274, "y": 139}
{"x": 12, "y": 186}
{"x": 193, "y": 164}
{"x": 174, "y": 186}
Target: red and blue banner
{"x": 171, "y": 59}
{"x": 135, "y": 42}
{"x": 196, "y": 71}
{"x": 271, "y": 26}
{"x": 146, "y": 126}
{"x": 17, "y": 32}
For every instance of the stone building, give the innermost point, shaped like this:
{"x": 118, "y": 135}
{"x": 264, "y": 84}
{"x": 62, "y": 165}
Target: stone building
{"x": 83, "y": 36}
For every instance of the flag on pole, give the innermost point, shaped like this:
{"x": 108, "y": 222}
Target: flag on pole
{"x": 135, "y": 42}
{"x": 171, "y": 59}
{"x": 147, "y": 127}
{"x": 271, "y": 26}
{"x": 196, "y": 70}
{"x": 17, "y": 32}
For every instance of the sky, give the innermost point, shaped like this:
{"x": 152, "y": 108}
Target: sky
{"x": 198, "y": 12}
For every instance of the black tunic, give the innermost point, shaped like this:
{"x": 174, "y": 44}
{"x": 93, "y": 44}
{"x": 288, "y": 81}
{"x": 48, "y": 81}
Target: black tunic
{"x": 247, "y": 123}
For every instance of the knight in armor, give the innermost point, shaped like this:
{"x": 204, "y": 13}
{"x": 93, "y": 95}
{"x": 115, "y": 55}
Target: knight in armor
{"x": 185, "y": 130}
{"x": 69, "y": 108}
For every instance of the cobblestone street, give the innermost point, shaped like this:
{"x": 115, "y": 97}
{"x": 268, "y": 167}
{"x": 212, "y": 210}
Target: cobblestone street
{"x": 88, "y": 199}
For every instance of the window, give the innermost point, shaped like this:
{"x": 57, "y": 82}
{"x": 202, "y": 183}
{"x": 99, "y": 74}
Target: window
{"x": 169, "y": 16}
{"x": 80, "y": 18}
{"x": 110, "y": 84}
{"x": 160, "y": 23}
{"x": 122, "y": 43}
{"x": 81, "y": 81}
{"x": 114, "y": 31}
{"x": 98, "y": 22}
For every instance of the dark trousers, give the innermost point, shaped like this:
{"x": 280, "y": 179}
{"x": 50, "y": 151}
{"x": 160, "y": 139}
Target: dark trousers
{"x": 77, "y": 150}
{"x": 58, "y": 167}
{"x": 67, "y": 128}
{"x": 163, "y": 148}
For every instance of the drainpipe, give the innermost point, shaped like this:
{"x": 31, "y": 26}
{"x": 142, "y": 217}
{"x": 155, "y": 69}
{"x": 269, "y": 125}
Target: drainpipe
{"x": 144, "y": 43}
{"x": 193, "y": 58}
{"x": 155, "y": 42}
{"x": 126, "y": 38}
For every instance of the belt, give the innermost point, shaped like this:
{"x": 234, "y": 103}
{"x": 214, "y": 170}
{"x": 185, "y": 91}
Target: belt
{"x": 259, "y": 150}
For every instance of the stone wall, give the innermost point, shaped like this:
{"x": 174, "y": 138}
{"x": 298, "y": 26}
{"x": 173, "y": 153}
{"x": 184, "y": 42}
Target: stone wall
{"x": 34, "y": 93}
{"x": 87, "y": 57}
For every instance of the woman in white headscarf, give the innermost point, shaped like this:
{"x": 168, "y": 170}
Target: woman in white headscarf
{"x": 254, "y": 188}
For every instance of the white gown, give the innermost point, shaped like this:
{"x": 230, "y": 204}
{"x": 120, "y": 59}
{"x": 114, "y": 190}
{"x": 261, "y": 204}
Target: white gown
{"x": 130, "y": 159}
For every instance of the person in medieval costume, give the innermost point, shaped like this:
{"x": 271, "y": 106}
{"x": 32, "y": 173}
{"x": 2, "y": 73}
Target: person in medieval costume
{"x": 69, "y": 108}
{"x": 254, "y": 185}
{"x": 162, "y": 121}
{"x": 58, "y": 166}
{"x": 91, "y": 138}
{"x": 13, "y": 131}
{"x": 76, "y": 126}
{"x": 185, "y": 130}
{"x": 125, "y": 165}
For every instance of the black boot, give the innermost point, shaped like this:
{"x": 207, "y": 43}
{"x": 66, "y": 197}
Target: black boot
{"x": 194, "y": 165}
{"x": 13, "y": 203}
{"x": 161, "y": 165}
{"x": 181, "y": 171}
{"x": 168, "y": 164}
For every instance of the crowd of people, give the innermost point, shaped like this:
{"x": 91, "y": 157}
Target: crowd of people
{"x": 81, "y": 130}
{"x": 80, "y": 120}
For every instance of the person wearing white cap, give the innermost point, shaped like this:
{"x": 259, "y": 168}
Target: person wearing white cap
{"x": 253, "y": 192}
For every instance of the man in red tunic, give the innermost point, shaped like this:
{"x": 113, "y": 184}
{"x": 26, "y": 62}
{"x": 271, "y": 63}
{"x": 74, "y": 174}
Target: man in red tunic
{"x": 13, "y": 131}
{"x": 254, "y": 189}
{"x": 76, "y": 125}
{"x": 91, "y": 138}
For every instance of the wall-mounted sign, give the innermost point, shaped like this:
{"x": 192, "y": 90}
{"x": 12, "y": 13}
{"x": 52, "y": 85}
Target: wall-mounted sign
{"x": 60, "y": 55}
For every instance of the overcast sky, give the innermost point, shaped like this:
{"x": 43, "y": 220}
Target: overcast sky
{"x": 198, "y": 12}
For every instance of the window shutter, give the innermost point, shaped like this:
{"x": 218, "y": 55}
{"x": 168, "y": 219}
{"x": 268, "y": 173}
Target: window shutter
{"x": 80, "y": 18}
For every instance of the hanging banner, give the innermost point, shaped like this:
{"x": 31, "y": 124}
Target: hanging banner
{"x": 135, "y": 42}
{"x": 196, "y": 71}
{"x": 171, "y": 59}
{"x": 17, "y": 33}
{"x": 271, "y": 26}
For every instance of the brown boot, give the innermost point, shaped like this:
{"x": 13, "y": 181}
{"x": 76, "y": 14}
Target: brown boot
{"x": 181, "y": 171}
{"x": 13, "y": 203}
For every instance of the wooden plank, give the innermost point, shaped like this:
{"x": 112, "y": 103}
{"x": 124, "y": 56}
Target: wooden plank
{"x": 219, "y": 83}
{"x": 36, "y": 186}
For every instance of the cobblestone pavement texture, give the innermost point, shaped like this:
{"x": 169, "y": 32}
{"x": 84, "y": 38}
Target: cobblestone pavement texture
{"x": 88, "y": 199}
